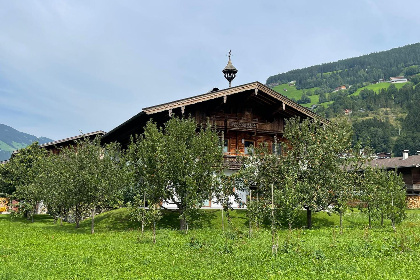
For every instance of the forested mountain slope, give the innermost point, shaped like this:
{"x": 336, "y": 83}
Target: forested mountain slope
{"x": 367, "y": 68}
{"x": 384, "y": 115}
{"x": 12, "y": 139}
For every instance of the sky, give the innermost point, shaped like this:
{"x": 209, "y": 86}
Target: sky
{"x": 75, "y": 66}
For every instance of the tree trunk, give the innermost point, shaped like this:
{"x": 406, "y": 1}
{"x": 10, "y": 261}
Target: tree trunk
{"x": 393, "y": 225}
{"x": 382, "y": 219}
{"x": 92, "y": 227}
{"x": 341, "y": 222}
{"x": 250, "y": 219}
{"x": 142, "y": 214}
{"x": 154, "y": 232}
{"x": 308, "y": 218}
{"x": 370, "y": 218}
{"x": 273, "y": 229}
{"x": 76, "y": 217}
{"x": 182, "y": 223}
{"x": 223, "y": 224}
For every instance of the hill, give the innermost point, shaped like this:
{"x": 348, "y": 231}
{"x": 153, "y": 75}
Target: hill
{"x": 12, "y": 139}
{"x": 367, "y": 68}
{"x": 384, "y": 115}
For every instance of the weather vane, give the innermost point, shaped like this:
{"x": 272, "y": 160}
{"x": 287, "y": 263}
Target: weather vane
{"x": 230, "y": 70}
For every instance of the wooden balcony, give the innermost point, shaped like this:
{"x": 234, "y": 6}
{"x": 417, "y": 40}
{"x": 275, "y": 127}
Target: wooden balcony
{"x": 242, "y": 124}
{"x": 232, "y": 161}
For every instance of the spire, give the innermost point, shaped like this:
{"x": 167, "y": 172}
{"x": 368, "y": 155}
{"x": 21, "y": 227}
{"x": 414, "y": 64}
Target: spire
{"x": 230, "y": 70}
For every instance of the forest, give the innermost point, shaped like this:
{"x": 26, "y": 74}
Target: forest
{"x": 383, "y": 114}
{"x": 367, "y": 68}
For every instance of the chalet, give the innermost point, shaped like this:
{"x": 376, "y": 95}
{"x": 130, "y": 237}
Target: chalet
{"x": 409, "y": 167}
{"x": 340, "y": 88}
{"x": 244, "y": 116}
{"x": 396, "y": 80}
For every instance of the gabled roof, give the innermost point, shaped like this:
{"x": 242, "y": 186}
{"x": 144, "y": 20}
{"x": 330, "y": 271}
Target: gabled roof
{"x": 260, "y": 92}
{"x": 62, "y": 141}
{"x": 257, "y": 86}
{"x": 397, "y": 162}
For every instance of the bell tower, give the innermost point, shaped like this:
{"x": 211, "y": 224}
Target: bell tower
{"x": 230, "y": 70}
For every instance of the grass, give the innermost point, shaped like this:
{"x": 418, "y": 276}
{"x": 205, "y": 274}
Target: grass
{"x": 296, "y": 94}
{"x": 377, "y": 87}
{"x": 292, "y": 92}
{"x": 44, "y": 250}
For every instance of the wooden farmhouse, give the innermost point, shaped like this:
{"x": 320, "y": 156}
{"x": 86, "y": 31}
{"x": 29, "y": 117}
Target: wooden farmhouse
{"x": 244, "y": 116}
{"x": 409, "y": 168}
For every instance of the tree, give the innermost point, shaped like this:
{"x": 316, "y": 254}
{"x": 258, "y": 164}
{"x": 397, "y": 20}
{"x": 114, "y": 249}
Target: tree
{"x": 317, "y": 153}
{"x": 179, "y": 164}
{"x": 382, "y": 194}
{"x": 395, "y": 203}
{"x": 146, "y": 163}
{"x": 96, "y": 177}
{"x": 26, "y": 170}
{"x": 193, "y": 160}
{"x": 225, "y": 195}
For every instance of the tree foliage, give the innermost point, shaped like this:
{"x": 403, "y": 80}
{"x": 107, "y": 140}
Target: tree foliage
{"x": 179, "y": 163}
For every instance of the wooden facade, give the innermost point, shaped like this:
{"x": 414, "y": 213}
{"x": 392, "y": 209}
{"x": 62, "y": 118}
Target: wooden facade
{"x": 244, "y": 116}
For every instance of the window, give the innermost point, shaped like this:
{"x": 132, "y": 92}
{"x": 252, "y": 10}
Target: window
{"x": 276, "y": 149}
{"x": 248, "y": 147}
{"x": 207, "y": 203}
{"x": 226, "y": 146}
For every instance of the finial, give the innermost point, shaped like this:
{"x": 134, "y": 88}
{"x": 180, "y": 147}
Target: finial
{"x": 230, "y": 70}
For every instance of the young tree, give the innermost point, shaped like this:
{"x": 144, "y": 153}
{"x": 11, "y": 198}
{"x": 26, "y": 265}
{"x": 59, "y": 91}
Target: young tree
{"x": 317, "y": 153}
{"x": 179, "y": 163}
{"x": 225, "y": 195}
{"x": 193, "y": 161}
{"x": 96, "y": 177}
{"x": 27, "y": 171}
{"x": 146, "y": 163}
{"x": 396, "y": 203}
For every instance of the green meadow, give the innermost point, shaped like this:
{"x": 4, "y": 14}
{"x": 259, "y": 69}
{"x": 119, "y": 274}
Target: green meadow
{"x": 377, "y": 87}
{"x": 118, "y": 250}
{"x": 292, "y": 92}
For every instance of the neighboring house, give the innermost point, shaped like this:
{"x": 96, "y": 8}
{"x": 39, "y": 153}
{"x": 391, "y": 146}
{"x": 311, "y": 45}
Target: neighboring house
{"x": 244, "y": 115}
{"x": 396, "y": 80}
{"x": 340, "y": 88}
{"x": 55, "y": 146}
{"x": 409, "y": 167}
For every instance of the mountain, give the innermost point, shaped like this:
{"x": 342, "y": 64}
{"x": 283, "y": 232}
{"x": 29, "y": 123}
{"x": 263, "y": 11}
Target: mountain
{"x": 403, "y": 61}
{"x": 12, "y": 139}
{"x": 383, "y": 110}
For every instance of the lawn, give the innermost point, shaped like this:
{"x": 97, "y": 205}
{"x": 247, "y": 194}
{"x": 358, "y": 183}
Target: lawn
{"x": 377, "y": 87}
{"x": 292, "y": 92}
{"x": 44, "y": 250}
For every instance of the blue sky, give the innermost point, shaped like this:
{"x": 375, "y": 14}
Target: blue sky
{"x": 71, "y": 66}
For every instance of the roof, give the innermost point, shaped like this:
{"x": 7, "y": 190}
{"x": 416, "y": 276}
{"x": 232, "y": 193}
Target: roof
{"x": 396, "y": 162}
{"x": 257, "y": 86}
{"x": 131, "y": 126}
{"x": 54, "y": 143}
{"x": 230, "y": 67}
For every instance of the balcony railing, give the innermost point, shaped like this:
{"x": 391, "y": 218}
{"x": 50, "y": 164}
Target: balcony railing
{"x": 232, "y": 161}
